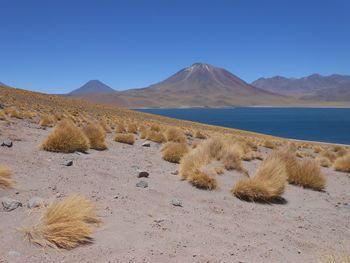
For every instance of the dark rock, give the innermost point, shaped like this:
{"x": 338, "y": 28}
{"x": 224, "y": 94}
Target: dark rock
{"x": 10, "y": 204}
{"x": 67, "y": 163}
{"x": 142, "y": 184}
{"x": 141, "y": 173}
{"x": 7, "y": 143}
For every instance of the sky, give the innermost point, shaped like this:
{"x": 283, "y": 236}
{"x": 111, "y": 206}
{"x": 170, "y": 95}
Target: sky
{"x": 55, "y": 46}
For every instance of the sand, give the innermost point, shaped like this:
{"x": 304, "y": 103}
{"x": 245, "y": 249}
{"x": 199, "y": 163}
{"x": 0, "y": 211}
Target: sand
{"x": 141, "y": 225}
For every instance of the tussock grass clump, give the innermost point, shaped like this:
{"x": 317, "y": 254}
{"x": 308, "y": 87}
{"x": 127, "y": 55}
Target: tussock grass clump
{"x": 120, "y": 128}
{"x": 305, "y": 173}
{"x": 155, "y": 127}
{"x": 5, "y": 177}
{"x": 218, "y": 170}
{"x": 155, "y": 136}
{"x": 131, "y": 128}
{"x": 175, "y": 135}
{"x": 66, "y": 224}
{"x": 47, "y": 121}
{"x": 252, "y": 156}
{"x": 96, "y": 135}
{"x": 174, "y": 151}
{"x": 323, "y": 161}
{"x": 269, "y": 144}
{"x": 267, "y": 185}
{"x": 127, "y": 138}
{"x": 203, "y": 181}
{"x": 232, "y": 161}
{"x": 66, "y": 138}
{"x": 105, "y": 126}
{"x": 342, "y": 164}
{"x": 199, "y": 135}
{"x": 329, "y": 154}
{"x": 14, "y": 113}
{"x": 342, "y": 258}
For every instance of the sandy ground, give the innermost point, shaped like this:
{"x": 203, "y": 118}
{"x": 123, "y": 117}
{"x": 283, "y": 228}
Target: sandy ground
{"x": 212, "y": 226}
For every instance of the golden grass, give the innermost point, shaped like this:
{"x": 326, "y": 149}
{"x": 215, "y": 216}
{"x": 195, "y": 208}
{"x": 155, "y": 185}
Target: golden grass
{"x": 269, "y": 144}
{"x": 342, "y": 164}
{"x": 232, "y": 161}
{"x": 5, "y": 177}
{"x": 14, "y": 113}
{"x": 66, "y": 224}
{"x": 323, "y": 161}
{"x": 174, "y": 135}
{"x": 203, "y": 181}
{"x": 96, "y": 135}
{"x": 199, "y": 135}
{"x": 305, "y": 173}
{"x": 47, "y": 121}
{"x": 120, "y": 128}
{"x": 268, "y": 183}
{"x": 127, "y": 138}
{"x": 66, "y": 138}
{"x": 343, "y": 258}
{"x": 105, "y": 126}
{"x": 131, "y": 128}
{"x": 174, "y": 151}
{"x": 252, "y": 156}
{"x": 218, "y": 170}
{"x": 155, "y": 127}
{"x": 155, "y": 136}
{"x": 2, "y": 115}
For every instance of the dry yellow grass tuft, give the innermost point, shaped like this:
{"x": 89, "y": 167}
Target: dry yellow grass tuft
{"x": 66, "y": 138}
{"x": 155, "y": 136}
{"x": 232, "y": 161}
{"x": 105, "y": 126}
{"x": 127, "y": 138}
{"x": 218, "y": 170}
{"x": 252, "y": 156}
{"x": 131, "y": 128}
{"x": 66, "y": 224}
{"x": 174, "y": 151}
{"x": 343, "y": 258}
{"x": 323, "y": 161}
{"x": 201, "y": 180}
{"x": 2, "y": 115}
{"x": 120, "y": 128}
{"x": 267, "y": 185}
{"x": 155, "y": 127}
{"x": 14, "y": 113}
{"x": 5, "y": 177}
{"x": 47, "y": 121}
{"x": 306, "y": 173}
{"x": 175, "y": 135}
{"x": 199, "y": 135}
{"x": 269, "y": 144}
{"x": 96, "y": 135}
{"x": 342, "y": 164}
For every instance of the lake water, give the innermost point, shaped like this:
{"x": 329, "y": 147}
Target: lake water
{"x": 315, "y": 124}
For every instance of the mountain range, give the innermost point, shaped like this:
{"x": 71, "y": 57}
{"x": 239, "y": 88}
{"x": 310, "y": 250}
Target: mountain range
{"x": 199, "y": 85}
{"x": 314, "y": 87}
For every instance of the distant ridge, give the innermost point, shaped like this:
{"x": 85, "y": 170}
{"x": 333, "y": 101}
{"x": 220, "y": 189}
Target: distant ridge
{"x": 314, "y": 87}
{"x": 92, "y": 87}
{"x": 199, "y": 85}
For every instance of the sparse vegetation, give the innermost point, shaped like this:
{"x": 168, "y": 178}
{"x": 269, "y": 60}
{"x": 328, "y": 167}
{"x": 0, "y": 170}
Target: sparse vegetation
{"x": 5, "y": 177}
{"x": 127, "y": 138}
{"x": 267, "y": 185}
{"x": 66, "y": 138}
{"x": 175, "y": 135}
{"x": 66, "y": 224}
{"x": 342, "y": 164}
{"x": 174, "y": 151}
{"x": 155, "y": 136}
{"x": 96, "y": 135}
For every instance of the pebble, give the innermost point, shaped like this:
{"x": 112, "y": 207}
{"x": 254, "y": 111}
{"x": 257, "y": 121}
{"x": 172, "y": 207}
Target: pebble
{"x": 159, "y": 220}
{"x": 142, "y": 173}
{"x": 10, "y": 204}
{"x": 68, "y": 163}
{"x": 7, "y": 143}
{"x": 175, "y": 172}
{"x": 176, "y": 202}
{"x": 35, "y": 202}
{"x": 146, "y": 144}
{"x": 142, "y": 184}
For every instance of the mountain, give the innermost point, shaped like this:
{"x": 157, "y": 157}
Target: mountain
{"x": 314, "y": 87}
{"x": 200, "y": 85}
{"x": 92, "y": 87}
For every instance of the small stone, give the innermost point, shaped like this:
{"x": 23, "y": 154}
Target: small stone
{"x": 176, "y": 202}
{"x": 14, "y": 253}
{"x": 7, "y": 143}
{"x": 141, "y": 173}
{"x": 175, "y": 172}
{"x": 68, "y": 163}
{"x": 142, "y": 184}
{"x": 35, "y": 202}
{"x": 10, "y": 204}
{"x": 146, "y": 144}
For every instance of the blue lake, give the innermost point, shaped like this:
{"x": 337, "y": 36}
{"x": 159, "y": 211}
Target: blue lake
{"x": 315, "y": 124}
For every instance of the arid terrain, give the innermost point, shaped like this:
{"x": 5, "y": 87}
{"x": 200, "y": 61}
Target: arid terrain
{"x": 180, "y": 212}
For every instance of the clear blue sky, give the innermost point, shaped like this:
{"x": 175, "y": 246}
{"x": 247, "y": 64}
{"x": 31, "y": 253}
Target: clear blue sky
{"x": 55, "y": 46}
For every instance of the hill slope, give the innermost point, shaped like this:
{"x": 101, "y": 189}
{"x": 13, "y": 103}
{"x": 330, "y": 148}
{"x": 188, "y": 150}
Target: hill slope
{"x": 315, "y": 87}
